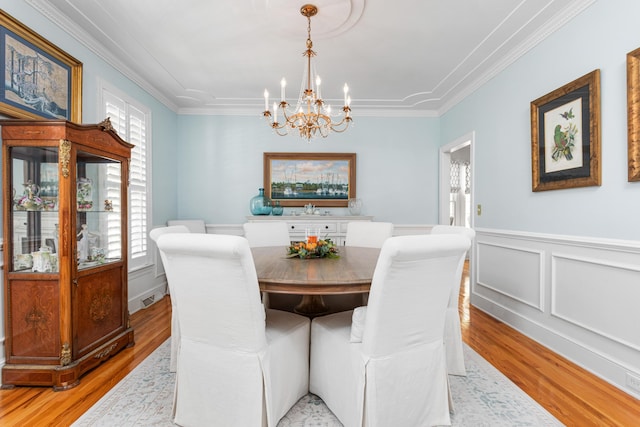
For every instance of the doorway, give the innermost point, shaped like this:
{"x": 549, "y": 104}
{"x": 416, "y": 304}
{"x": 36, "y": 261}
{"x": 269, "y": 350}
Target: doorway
{"x": 456, "y": 199}
{"x": 457, "y": 190}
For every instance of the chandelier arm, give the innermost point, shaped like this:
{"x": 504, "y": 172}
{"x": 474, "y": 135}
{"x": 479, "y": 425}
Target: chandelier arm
{"x": 277, "y": 129}
{"x": 346, "y": 122}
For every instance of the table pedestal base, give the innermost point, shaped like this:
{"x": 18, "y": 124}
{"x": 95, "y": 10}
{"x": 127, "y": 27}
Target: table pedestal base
{"x": 311, "y": 306}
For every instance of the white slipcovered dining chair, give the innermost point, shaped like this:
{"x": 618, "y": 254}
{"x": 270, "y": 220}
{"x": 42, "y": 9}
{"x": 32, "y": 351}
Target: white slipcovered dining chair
{"x": 238, "y": 364}
{"x": 270, "y": 233}
{"x": 368, "y": 234}
{"x": 261, "y": 234}
{"x": 384, "y": 364}
{"x": 175, "y": 327}
{"x": 194, "y": 225}
{"x": 452, "y": 329}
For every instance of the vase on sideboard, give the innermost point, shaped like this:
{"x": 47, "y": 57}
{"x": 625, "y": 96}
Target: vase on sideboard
{"x": 277, "y": 209}
{"x": 260, "y": 204}
{"x": 355, "y": 206}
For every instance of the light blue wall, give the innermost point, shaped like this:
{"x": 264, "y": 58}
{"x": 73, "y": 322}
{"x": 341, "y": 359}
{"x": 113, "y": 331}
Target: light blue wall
{"x": 499, "y": 112}
{"x": 210, "y": 167}
{"x": 164, "y": 121}
{"x": 221, "y": 162}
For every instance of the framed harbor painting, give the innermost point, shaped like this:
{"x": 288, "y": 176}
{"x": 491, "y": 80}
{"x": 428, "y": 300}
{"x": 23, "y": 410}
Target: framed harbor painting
{"x": 40, "y": 80}
{"x": 322, "y": 179}
{"x": 633, "y": 114}
{"x": 565, "y": 136}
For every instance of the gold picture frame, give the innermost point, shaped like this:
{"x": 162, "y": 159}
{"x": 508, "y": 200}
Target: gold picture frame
{"x": 633, "y": 114}
{"x": 41, "y": 80}
{"x": 565, "y": 136}
{"x": 321, "y": 179}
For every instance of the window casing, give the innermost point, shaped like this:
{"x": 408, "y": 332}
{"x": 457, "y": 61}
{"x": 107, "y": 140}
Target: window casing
{"x": 132, "y": 121}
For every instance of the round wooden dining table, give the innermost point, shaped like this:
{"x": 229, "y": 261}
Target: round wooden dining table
{"x": 350, "y": 273}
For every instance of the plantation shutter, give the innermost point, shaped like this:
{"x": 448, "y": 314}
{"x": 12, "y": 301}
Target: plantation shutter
{"x": 131, "y": 124}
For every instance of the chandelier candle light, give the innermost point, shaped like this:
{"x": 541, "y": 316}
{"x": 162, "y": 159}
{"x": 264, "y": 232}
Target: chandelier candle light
{"x": 311, "y": 116}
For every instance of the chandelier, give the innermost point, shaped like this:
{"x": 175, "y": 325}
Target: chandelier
{"x": 311, "y": 116}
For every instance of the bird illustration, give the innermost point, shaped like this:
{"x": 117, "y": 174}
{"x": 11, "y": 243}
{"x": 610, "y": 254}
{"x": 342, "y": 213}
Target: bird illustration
{"x": 562, "y": 145}
{"x": 568, "y": 115}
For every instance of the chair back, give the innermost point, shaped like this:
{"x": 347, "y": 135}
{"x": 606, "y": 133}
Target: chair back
{"x": 194, "y": 225}
{"x": 368, "y": 234}
{"x": 454, "y": 229}
{"x": 161, "y": 231}
{"x": 471, "y": 235}
{"x": 217, "y": 290}
{"x": 270, "y": 233}
{"x": 410, "y": 291}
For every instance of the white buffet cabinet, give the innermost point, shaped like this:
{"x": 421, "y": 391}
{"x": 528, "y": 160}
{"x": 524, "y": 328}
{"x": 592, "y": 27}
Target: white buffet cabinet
{"x": 331, "y": 226}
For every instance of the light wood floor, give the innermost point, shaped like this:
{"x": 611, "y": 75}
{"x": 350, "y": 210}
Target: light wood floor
{"x": 574, "y": 396}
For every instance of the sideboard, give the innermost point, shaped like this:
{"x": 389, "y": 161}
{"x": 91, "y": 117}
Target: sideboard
{"x": 331, "y": 226}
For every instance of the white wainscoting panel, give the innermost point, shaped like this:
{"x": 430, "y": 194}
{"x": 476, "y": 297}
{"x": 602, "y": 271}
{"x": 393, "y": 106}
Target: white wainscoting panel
{"x": 575, "y": 295}
{"x": 515, "y": 272}
{"x": 599, "y": 296}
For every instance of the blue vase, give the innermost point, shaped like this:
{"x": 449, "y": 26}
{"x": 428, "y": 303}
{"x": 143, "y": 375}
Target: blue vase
{"x": 277, "y": 209}
{"x": 260, "y": 204}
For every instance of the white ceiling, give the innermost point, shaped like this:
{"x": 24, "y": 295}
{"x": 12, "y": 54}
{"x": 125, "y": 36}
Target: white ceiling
{"x": 403, "y": 57}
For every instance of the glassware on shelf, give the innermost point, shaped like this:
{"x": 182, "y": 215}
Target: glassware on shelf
{"x": 260, "y": 204}
{"x": 22, "y": 262}
{"x": 42, "y": 260}
{"x": 85, "y": 194}
{"x": 308, "y": 209}
{"x": 355, "y": 206}
{"x": 31, "y": 200}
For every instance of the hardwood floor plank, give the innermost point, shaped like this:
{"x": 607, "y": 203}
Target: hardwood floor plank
{"x": 570, "y": 393}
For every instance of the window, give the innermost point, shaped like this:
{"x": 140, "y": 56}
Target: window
{"x": 132, "y": 120}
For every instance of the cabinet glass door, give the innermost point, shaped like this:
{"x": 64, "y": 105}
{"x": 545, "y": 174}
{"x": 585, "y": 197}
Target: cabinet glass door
{"x": 98, "y": 204}
{"x": 34, "y": 211}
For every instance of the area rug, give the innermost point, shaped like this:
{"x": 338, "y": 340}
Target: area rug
{"x": 484, "y": 397}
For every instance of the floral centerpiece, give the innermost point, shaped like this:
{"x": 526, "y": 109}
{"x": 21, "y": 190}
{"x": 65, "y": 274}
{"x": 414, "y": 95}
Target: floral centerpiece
{"x": 313, "y": 249}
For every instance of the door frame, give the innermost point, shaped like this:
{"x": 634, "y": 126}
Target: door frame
{"x": 444, "y": 183}
{"x": 444, "y": 186}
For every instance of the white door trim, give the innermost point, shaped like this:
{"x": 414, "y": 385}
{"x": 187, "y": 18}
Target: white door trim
{"x": 444, "y": 185}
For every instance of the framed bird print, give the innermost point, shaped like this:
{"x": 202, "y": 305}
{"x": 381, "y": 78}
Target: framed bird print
{"x": 633, "y": 114}
{"x": 565, "y": 136}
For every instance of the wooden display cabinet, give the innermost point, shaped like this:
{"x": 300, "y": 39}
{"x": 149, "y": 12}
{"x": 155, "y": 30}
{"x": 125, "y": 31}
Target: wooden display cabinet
{"x": 65, "y": 250}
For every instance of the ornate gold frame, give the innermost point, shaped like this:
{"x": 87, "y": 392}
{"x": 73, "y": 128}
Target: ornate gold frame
{"x": 318, "y": 158}
{"x": 589, "y": 174}
{"x": 633, "y": 114}
{"x": 74, "y": 112}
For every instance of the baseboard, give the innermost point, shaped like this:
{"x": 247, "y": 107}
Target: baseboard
{"x": 574, "y": 295}
{"x": 146, "y": 299}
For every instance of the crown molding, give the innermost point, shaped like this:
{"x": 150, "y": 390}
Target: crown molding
{"x": 54, "y": 15}
{"x": 572, "y": 10}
